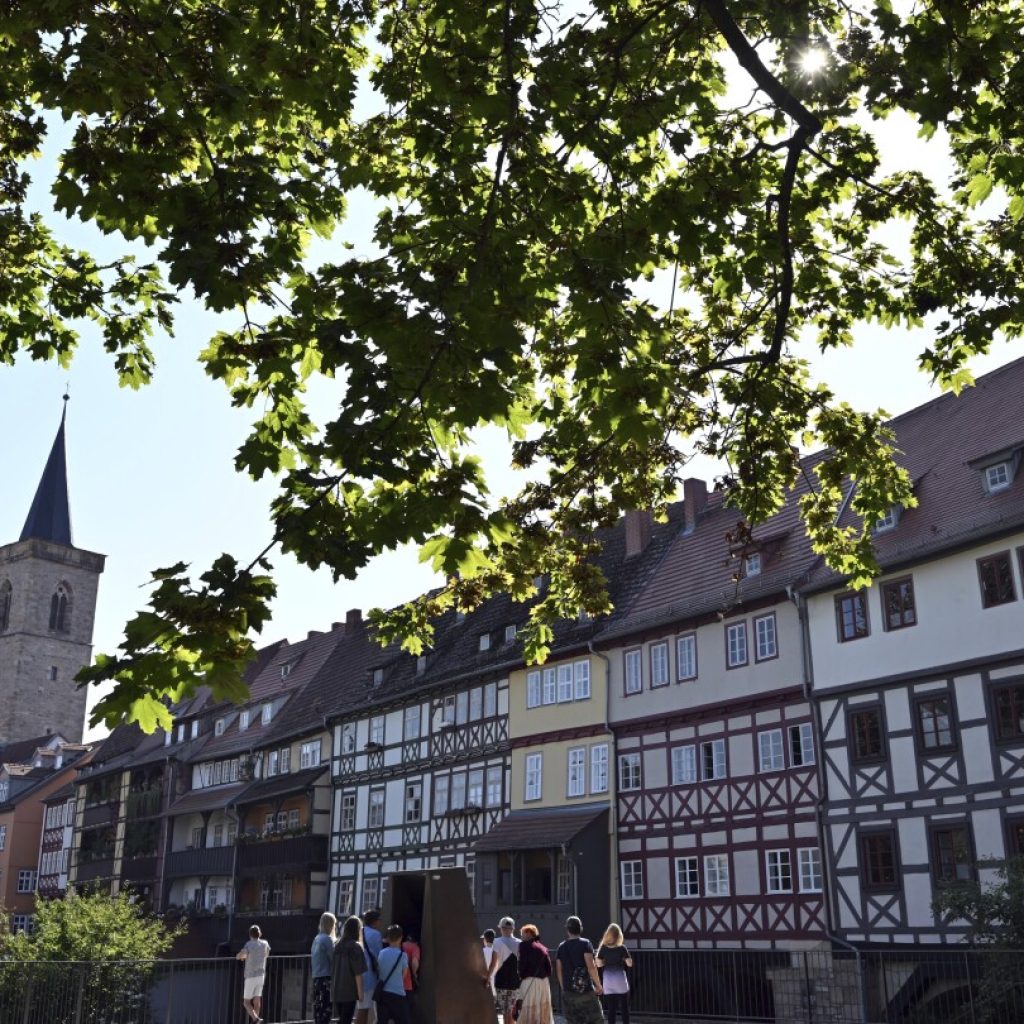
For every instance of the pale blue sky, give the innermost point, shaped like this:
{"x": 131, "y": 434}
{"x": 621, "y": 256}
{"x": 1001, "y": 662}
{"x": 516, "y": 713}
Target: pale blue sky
{"x": 151, "y": 472}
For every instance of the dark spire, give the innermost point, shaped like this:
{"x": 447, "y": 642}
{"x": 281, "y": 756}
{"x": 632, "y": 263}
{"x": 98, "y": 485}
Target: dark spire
{"x": 49, "y": 518}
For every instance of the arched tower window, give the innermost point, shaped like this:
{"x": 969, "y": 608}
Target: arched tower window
{"x": 5, "y": 605}
{"x": 60, "y": 609}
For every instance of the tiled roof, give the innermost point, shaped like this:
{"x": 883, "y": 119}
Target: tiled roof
{"x": 282, "y": 785}
{"x": 539, "y": 829}
{"x": 21, "y": 751}
{"x": 209, "y": 799}
{"x": 943, "y": 446}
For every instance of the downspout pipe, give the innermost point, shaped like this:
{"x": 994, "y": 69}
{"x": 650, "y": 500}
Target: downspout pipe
{"x": 807, "y": 665}
{"x": 612, "y": 817}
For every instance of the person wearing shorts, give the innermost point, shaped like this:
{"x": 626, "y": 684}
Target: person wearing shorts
{"x": 254, "y": 954}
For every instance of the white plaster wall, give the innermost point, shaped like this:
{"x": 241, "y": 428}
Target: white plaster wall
{"x": 952, "y": 626}
{"x": 714, "y": 683}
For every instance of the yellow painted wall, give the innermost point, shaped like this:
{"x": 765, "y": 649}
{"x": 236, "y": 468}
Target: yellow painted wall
{"x": 524, "y": 721}
{"x": 555, "y": 779}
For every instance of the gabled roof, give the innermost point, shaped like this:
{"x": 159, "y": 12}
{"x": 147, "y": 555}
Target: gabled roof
{"x": 49, "y": 517}
{"x": 21, "y": 751}
{"x": 944, "y": 446}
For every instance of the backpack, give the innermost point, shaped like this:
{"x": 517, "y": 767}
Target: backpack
{"x": 507, "y": 975}
{"x": 579, "y": 980}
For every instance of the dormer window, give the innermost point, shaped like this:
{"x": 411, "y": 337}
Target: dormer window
{"x": 421, "y": 664}
{"x": 243, "y": 720}
{"x": 181, "y": 732}
{"x": 752, "y": 564}
{"x": 460, "y": 616}
{"x": 998, "y": 477}
{"x": 510, "y": 633}
{"x": 218, "y": 727}
{"x": 195, "y": 728}
{"x": 889, "y": 520}
{"x": 378, "y": 676}
{"x": 485, "y": 641}
{"x": 266, "y": 714}
{"x": 286, "y": 670}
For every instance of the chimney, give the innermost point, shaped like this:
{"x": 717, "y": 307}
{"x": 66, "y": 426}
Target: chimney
{"x": 337, "y": 625}
{"x": 695, "y": 497}
{"x": 314, "y": 632}
{"x": 353, "y": 618}
{"x": 638, "y": 531}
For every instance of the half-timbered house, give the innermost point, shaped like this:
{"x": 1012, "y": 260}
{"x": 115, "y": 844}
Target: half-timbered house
{"x": 420, "y": 753}
{"x": 919, "y": 679}
{"x": 715, "y": 750}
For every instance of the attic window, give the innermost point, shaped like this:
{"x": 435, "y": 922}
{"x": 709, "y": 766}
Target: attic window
{"x": 218, "y": 727}
{"x": 460, "y": 616}
{"x": 243, "y": 720}
{"x": 752, "y": 564}
{"x": 195, "y": 728}
{"x": 889, "y": 520}
{"x": 998, "y": 477}
{"x": 266, "y": 714}
{"x": 421, "y": 664}
{"x": 181, "y": 732}
{"x": 510, "y": 633}
{"x": 485, "y": 641}
{"x": 286, "y": 670}
{"x": 378, "y": 676}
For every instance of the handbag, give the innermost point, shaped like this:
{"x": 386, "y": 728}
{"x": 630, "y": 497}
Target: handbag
{"x": 378, "y": 991}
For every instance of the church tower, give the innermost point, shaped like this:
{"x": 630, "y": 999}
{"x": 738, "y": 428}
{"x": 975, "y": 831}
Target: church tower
{"x": 47, "y": 605}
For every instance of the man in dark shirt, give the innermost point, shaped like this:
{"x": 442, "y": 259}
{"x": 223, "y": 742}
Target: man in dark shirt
{"x": 577, "y": 977}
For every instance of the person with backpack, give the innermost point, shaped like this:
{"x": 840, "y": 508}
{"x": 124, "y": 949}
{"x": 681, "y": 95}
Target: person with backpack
{"x": 613, "y": 957}
{"x": 534, "y": 1003}
{"x": 577, "y": 977}
{"x": 392, "y": 964}
{"x": 503, "y": 974}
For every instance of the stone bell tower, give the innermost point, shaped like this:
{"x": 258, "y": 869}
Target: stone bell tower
{"x": 47, "y": 605}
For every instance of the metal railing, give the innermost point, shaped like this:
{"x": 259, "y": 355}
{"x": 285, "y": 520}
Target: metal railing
{"x": 915, "y": 985}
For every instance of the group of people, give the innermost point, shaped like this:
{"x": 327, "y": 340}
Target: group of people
{"x": 519, "y": 969}
{"x": 360, "y": 972}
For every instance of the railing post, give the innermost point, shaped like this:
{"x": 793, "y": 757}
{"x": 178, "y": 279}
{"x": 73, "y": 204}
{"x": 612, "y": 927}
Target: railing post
{"x": 970, "y": 985}
{"x": 807, "y": 989}
{"x": 735, "y": 988}
{"x": 170, "y": 991}
{"x": 80, "y": 995}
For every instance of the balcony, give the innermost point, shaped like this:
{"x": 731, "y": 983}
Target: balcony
{"x": 99, "y": 814}
{"x": 141, "y": 869}
{"x": 280, "y": 854}
{"x": 91, "y": 869}
{"x": 143, "y": 803}
{"x": 208, "y": 860}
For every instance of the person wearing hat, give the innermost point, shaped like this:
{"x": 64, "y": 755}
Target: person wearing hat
{"x": 504, "y": 972}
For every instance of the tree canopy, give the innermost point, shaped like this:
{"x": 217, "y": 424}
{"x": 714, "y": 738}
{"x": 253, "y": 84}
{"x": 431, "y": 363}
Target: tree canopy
{"x": 531, "y": 167}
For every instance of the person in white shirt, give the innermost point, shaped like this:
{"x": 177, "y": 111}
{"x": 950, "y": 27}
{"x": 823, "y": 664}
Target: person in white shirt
{"x": 488, "y": 940}
{"x": 504, "y": 969}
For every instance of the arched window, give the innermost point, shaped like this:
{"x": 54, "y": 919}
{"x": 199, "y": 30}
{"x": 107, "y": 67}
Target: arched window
{"x": 60, "y": 609}
{"x": 5, "y": 605}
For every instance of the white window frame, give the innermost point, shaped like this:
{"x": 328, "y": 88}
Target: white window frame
{"x": 660, "y": 668}
{"x": 272, "y": 766}
{"x": 457, "y": 799}
{"x": 218, "y": 727}
{"x": 778, "y": 872}
{"x": 27, "y": 880}
{"x": 484, "y": 642}
{"x": 686, "y": 657}
{"x": 633, "y": 671}
{"x": 716, "y": 874}
{"x": 809, "y": 865}
{"x": 766, "y": 637}
{"x": 533, "y": 690}
{"x": 565, "y": 684}
{"x": 886, "y": 522}
{"x": 576, "y": 768}
{"x": 374, "y": 805}
{"x": 549, "y": 689}
{"x": 771, "y": 753}
{"x": 998, "y": 477}
{"x": 752, "y": 564}
{"x": 687, "y": 878}
{"x": 490, "y": 700}
{"x": 631, "y": 771}
{"x": 310, "y": 754}
{"x": 684, "y": 765}
{"x": 266, "y": 714}
{"x": 346, "y": 896}
{"x": 413, "y": 796}
{"x": 736, "y": 644}
{"x": 510, "y": 633}
{"x": 476, "y": 704}
{"x": 377, "y": 730}
{"x": 412, "y": 722}
{"x": 581, "y": 680}
{"x": 632, "y": 879}
{"x": 371, "y": 892}
{"x": 475, "y": 788}
{"x": 804, "y": 733}
{"x": 533, "y": 780}
{"x": 347, "y": 811}
{"x": 719, "y": 761}
{"x": 599, "y": 768}
{"x": 495, "y": 784}
{"x": 442, "y": 794}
